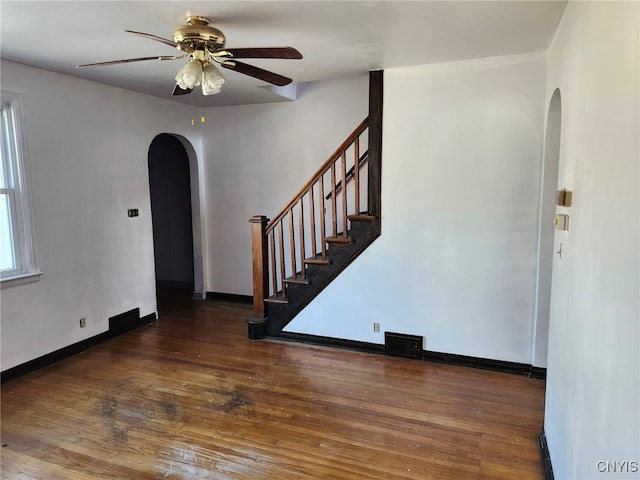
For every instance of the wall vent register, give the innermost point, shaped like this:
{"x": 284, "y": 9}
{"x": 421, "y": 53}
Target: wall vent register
{"x": 403, "y": 345}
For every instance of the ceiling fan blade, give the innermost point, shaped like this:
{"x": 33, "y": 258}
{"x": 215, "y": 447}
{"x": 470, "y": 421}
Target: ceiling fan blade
{"x": 256, "y": 72}
{"x": 166, "y": 41}
{"x": 129, "y": 60}
{"x": 177, "y": 90}
{"x": 265, "y": 52}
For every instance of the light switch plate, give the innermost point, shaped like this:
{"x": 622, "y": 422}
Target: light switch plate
{"x": 561, "y": 222}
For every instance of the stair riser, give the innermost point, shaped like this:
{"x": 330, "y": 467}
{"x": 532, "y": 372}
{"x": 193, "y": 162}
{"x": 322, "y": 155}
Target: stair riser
{"x": 362, "y": 228}
{"x": 295, "y": 289}
{"x": 336, "y": 251}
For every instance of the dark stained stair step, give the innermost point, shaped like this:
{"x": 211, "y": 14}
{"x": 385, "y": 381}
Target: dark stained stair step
{"x": 297, "y": 279}
{"x": 317, "y": 260}
{"x": 339, "y": 239}
{"x": 277, "y": 299}
{"x": 362, "y": 218}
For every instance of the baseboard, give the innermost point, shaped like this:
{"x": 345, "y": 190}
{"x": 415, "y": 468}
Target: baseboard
{"x": 448, "y": 358}
{"x": 118, "y": 324}
{"x": 547, "y": 469}
{"x": 332, "y": 342}
{"x": 229, "y": 297}
{"x": 174, "y": 284}
{"x": 485, "y": 364}
{"x": 147, "y": 319}
{"x": 53, "y": 357}
{"x": 539, "y": 373}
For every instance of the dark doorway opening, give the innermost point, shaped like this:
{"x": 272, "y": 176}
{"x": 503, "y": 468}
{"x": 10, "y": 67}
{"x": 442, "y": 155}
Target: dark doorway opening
{"x": 170, "y": 188}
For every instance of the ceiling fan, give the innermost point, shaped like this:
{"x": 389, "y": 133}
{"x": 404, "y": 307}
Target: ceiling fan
{"x": 205, "y": 46}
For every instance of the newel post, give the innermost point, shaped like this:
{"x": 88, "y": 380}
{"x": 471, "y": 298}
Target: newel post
{"x": 260, "y": 260}
{"x": 376, "y": 94}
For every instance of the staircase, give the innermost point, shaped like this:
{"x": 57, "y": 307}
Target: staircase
{"x": 332, "y": 219}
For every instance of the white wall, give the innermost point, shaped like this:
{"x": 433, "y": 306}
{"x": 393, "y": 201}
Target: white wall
{"x": 593, "y": 382}
{"x": 456, "y": 261}
{"x": 546, "y": 253}
{"x": 259, "y": 156}
{"x": 87, "y": 147}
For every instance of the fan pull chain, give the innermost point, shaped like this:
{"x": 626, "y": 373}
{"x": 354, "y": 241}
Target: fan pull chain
{"x": 202, "y": 117}
{"x": 193, "y": 116}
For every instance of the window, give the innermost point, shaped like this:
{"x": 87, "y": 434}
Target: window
{"x": 17, "y": 249}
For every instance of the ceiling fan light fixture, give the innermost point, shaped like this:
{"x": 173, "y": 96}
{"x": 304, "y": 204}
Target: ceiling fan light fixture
{"x": 212, "y": 80}
{"x": 190, "y": 75}
{"x": 209, "y": 90}
{"x": 205, "y": 45}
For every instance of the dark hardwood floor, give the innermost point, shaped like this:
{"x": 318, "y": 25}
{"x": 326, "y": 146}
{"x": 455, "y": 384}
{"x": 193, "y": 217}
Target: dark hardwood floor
{"x": 190, "y": 397}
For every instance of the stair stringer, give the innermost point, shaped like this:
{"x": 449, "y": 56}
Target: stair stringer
{"x": 363, "y": 233}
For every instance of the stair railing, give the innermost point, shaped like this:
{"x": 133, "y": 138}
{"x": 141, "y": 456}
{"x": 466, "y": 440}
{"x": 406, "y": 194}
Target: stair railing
{"x": 281, "y": 246}
{"x": 362, "y": 161}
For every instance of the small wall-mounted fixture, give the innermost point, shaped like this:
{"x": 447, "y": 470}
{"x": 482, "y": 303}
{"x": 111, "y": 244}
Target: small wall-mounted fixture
{"x": 564, "y": 198}
{"x": 132, "y": 212}
{"x": 561, "y": 222}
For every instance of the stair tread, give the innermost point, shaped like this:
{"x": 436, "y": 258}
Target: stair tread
{"x": 362, "y": 218}
{"x": 297, "y": 279}
{"x": 276, "y": 299}
{"x": 317, "y": 260}
{"x": 339, "y": 239}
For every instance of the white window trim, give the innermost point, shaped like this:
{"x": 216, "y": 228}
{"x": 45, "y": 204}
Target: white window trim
{"x": 21, "y": 200}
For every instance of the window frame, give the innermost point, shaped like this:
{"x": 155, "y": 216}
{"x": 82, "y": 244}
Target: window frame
{"x": 15, "y": 168}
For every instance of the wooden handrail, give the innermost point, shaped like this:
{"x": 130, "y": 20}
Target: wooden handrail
{"x": 280, "y": 258}
{"x": 298, "y": 238}
{"x": 321, "y": 171}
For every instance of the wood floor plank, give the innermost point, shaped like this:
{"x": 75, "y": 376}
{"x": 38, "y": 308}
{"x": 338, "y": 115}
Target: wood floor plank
{"x": 190, "y": 397}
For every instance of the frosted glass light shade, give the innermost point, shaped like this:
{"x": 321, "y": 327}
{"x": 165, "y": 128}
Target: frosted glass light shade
{"x": 212, "y": 80}
{"x": 190, "y": 75}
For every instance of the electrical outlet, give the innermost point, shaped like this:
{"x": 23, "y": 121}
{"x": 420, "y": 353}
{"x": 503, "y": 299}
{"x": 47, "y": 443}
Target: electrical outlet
{"x": 376, "y": 327}
{"x": 83, "y": 322}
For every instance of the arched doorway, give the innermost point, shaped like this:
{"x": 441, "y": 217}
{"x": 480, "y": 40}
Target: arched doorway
{"x": 170, "y": 185}
{"x": 546, "y": 230}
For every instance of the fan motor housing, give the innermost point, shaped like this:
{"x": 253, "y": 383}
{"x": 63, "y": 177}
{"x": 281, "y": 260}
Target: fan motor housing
{"x": 198, "y": 35}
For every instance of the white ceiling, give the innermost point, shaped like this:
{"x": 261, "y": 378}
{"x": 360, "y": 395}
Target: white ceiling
{"x": 337, "y": 38}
